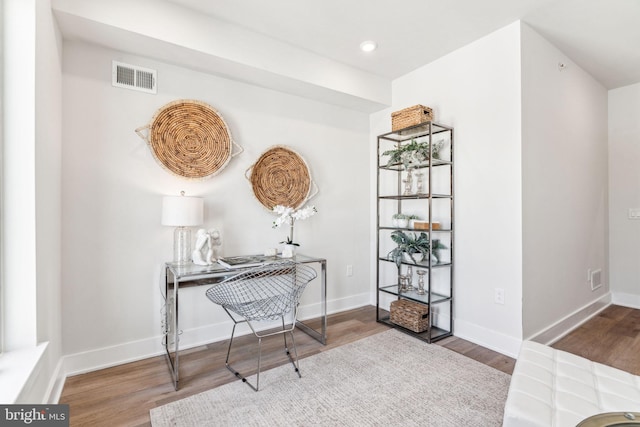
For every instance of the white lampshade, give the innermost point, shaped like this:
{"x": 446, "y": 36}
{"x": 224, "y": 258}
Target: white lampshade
{"x": 182, "y": 211}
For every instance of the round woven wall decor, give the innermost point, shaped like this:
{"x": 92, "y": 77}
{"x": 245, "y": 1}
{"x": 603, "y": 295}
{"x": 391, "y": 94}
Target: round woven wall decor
{"x": 280, "y": 177}
{"x": 189, "y": 139}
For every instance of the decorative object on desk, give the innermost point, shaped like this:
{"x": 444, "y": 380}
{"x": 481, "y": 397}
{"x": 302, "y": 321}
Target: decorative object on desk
{"x": 288, "y": 215}
{"x": 212, "y": 240}
{"x": 182, "y": 212}
{"x": 243, "y": 261}
{"x": 410, "y": 116}
{"x": 288, "y": 251}
{"x": 216, "y": 244}
{"x": 189, "y": 139}
{"x": 409, "y": 247}
{"x": 413, "y": 154}
{"x": 202, "y": 239}
{"x": 281, "y": 177}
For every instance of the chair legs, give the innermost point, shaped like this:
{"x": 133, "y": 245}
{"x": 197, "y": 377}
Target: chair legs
{"x": 293, "y": 358}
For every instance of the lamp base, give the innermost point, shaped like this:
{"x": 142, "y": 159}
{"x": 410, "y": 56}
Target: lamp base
{"x": 182, "y": 245}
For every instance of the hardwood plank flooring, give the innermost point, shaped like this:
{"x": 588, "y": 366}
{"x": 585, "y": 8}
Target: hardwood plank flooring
{"x": 612, "y": 338}
{"x": 123, "y": 395}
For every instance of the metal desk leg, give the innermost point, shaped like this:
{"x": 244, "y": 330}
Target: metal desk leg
{"x": 322, "y": 335}
{"x": 171, "y": 326}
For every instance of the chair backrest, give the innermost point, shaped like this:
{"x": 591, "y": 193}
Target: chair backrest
{"x": 266, "y": 292}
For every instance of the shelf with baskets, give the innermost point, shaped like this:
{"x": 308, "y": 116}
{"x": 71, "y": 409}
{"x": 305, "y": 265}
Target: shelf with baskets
{"x": 415, "y": 230}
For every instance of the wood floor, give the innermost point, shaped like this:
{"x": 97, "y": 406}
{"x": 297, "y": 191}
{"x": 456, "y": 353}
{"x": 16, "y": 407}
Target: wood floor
{"x": 123, "y": 395}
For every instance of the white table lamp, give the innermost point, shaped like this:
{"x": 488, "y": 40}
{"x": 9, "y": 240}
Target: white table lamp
{"x": 182, "y": 212}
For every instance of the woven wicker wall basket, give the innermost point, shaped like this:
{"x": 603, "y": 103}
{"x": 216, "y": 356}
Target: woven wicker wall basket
{"x": 281, "y": 176}
{"x": 190, "y": 139}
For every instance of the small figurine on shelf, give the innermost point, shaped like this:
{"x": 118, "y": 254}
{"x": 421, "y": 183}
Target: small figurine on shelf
{"x": 403, "y": 283}
{"x": 421, "y": 274}
{"x": 409, "y": 279}
{"x": 419, "y": 183}
{"x": 408, "y": 184}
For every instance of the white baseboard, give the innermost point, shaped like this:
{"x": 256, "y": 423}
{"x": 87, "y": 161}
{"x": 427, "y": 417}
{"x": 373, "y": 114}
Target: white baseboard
{"x": 570, "y": 322}
{"x": 626, "y": 300}
{"x": 487, "y": 338}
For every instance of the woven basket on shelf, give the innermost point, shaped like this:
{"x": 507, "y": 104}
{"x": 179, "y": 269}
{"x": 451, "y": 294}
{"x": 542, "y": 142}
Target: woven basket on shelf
{"x": 189, "y": 139}
{"x": 410, "y": 117}
{"x": 409, "y": 314}
{"x": 281, "y": 176}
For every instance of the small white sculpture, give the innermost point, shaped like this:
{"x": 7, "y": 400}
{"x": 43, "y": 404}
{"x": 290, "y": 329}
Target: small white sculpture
{"x": 212, "y": 240}
{"x": 202, "y": 238}
{"x": 215, "y": 244}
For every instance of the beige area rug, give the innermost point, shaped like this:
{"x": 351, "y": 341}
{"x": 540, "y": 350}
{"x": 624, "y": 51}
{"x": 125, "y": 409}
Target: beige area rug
{"x": 388, "y": 379}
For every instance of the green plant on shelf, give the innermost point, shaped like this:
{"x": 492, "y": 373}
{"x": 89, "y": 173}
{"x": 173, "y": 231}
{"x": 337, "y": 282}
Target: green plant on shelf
{"x": 408, "y": 246}
{"x": 436, "y": 247}
{"x": 413, "y": 154}
{"x": 413, "y": 248}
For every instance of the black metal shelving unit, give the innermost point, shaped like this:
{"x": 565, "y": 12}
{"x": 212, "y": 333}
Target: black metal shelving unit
{"x": 438, "y": 276}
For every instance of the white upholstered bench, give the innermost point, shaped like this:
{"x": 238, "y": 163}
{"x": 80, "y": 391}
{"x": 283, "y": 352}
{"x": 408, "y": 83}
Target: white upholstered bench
{"x": 553, "y": 388}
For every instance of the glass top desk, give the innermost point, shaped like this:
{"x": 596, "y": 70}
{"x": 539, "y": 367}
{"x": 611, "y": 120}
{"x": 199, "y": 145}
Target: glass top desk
{"x": 180, "y": 276}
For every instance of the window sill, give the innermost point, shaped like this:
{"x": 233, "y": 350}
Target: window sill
{"x": 16, "y": 368}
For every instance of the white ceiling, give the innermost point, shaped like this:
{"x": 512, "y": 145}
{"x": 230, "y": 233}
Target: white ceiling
{"x": 602, "y": 36}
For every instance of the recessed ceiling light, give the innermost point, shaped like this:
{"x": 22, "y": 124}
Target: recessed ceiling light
{"x": 368, "y": 46}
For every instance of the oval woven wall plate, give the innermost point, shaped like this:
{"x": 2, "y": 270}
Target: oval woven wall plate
{"x": 281, "y": 176}
{"x": 189, "y": 139}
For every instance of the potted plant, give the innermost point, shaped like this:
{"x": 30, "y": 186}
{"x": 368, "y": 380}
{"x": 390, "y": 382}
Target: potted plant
{"x": 289, "y": 215}
{"x": 409, "y": 247}
{"x": 413, "y": 153}
{"x": 436, "y": 245}
{"x": 400, "y": 220}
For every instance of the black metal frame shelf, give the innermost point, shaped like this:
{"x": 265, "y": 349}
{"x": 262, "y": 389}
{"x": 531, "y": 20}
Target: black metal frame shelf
{"x": 421, "y": 264}
{"x": 432, "y": 334}
{"x": 414, "y": 296}
{"x": 416, "y": 196}
{"x": 392, "y": 174}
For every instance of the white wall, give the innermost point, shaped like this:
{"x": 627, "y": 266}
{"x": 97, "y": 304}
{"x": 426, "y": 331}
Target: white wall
{"x": 564, "y": 185}
{"x": 476, "y": 89}
{"x": 624, "y": 193}
{"x": 113, "y": 243}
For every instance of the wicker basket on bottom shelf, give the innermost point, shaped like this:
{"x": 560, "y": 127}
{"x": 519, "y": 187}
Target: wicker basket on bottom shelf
{"x": 409, "y": 314}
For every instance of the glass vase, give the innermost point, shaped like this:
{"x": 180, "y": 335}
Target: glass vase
{"x": 421, "y": 274}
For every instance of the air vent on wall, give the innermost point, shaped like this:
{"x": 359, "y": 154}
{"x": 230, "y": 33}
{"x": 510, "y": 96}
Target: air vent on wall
{"x": 595, "y": 278}
{"x": 133, "y": 77}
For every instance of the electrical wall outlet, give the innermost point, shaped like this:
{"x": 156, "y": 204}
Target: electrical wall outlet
{"x": 349, "y": 270}
{"x": 498, "y": 296}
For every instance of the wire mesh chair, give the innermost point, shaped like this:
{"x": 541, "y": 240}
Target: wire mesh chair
{"x": 267, "y": 292}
